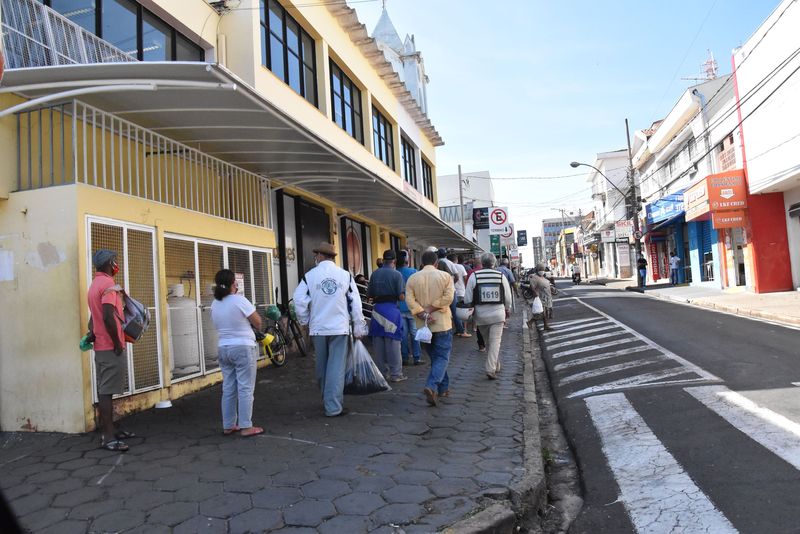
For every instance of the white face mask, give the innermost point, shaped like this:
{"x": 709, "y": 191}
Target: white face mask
{"x": 540, "y": 273}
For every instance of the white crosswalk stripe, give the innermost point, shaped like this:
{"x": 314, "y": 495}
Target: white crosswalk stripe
{"x": 561, "y": 354}
{"x": 574, "y": 321}
{"x": 585, "y": 375}
{"x": 557, "y": 333}
{"x": 588, "y": 339}
{"x": 772, "y": 430}
{"x": 579, "y": 333}
{"x": 637, "y": 459}
{"x": 638, "y": 381}
{"x": 600, "y": 357}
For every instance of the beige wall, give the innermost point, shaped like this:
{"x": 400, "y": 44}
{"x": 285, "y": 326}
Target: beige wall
{"x": 41, "y": 376}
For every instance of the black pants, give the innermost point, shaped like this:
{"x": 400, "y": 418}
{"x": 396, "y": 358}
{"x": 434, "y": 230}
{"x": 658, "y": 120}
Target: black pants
{"x": 481, "y": 343}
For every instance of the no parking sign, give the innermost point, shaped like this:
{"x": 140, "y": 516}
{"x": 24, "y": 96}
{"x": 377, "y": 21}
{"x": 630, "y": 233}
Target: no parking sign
{"x": 498, "y": 221}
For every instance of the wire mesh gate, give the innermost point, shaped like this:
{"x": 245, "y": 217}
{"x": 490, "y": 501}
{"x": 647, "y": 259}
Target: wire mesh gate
{"x": 135, "y": 247}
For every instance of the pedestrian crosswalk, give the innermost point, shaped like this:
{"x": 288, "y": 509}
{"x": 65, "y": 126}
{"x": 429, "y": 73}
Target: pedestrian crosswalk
{"x": 604, "y": 366}
{"x": 596, "y": 354}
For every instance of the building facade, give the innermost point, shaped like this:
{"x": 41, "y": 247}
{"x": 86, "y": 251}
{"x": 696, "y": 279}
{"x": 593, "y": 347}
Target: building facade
{"x": 189, "y": 138}
{"x": 477, "y": 191}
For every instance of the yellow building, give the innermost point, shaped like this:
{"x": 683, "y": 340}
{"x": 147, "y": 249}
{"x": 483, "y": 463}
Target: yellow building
{"x": 189, "y": 138}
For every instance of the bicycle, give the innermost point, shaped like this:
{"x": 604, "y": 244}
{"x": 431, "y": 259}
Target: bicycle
{"x": 272, "y": 345}
{"x": 284, "y": 321}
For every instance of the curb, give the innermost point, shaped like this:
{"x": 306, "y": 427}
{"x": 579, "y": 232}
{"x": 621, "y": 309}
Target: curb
{"x": 741, "y": 312}
{"x": 528, "y": 494}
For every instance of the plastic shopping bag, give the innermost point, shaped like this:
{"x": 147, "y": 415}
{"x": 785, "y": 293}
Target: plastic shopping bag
{"x": 536, "y": 306}
{"x": 424, "y": 334}
{"x": 362, "y": 376}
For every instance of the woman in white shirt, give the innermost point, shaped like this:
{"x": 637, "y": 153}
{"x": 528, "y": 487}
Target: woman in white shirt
{"x": 234, "y": 318}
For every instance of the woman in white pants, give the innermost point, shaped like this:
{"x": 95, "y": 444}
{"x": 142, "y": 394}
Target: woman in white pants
{"x": 490, "y": 294}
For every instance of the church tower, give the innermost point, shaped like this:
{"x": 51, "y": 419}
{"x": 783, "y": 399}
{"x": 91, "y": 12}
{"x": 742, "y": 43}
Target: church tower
{"x": 404, "y": 57}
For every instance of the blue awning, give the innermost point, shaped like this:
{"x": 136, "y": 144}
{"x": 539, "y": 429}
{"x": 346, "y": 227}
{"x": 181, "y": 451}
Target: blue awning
{"x": 667, "y": 207}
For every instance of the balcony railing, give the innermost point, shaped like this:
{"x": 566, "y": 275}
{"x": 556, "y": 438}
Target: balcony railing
{"x": 36, "y": 36}
{"x": 76, "y": 143}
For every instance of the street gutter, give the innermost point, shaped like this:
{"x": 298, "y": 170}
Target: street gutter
{"x": 528, "y": 495}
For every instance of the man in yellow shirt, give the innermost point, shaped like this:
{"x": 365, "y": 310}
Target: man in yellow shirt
{"x": 429, "y": 293}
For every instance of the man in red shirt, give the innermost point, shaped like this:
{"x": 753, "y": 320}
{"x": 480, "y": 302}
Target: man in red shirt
{"x": 105, "y": 306}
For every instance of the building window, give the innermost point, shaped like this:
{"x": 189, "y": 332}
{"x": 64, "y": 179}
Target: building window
{"x": 427, "y": 180}
{"x": 409, "y": 162}
{"x": 382, "y": 138}
{"x": 131, "y": 28}
{"x": 288, "y": 51}
{"x": 346, "y": 104}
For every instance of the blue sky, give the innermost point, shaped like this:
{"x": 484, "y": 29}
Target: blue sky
{"x": 523, "y": 87}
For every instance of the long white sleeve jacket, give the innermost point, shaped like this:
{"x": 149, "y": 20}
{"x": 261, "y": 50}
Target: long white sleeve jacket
{"x": 321, "y": 301}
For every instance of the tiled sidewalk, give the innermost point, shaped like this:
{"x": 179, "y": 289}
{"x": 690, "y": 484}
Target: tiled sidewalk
{"x": 391, "y": 462}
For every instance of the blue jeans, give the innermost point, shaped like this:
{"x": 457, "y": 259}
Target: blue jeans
{"x": 458, "y": 323}
{"x": 643, "y": 278}
{"x": 673, "y": 276}
{"x": 238, "y": 366}
{"x": 410, "y": 325}
{"x": 439, "y": 352}
{"x": 331, "y": 356}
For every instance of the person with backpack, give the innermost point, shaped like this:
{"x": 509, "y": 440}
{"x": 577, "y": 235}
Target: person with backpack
{"x": 235, "y": 317}
{"x": 327, "y": 300}
{"x": 489, "y": 292}
{"x": 105, "y": 299}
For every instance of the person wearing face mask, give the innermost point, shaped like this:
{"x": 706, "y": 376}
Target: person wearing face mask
{"x": 541, "y": 287}
{"x": 327, "y": 300}
{"x": 105, "y": 324}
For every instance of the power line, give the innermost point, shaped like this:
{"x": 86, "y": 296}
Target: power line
{"x": 524, "y": 177}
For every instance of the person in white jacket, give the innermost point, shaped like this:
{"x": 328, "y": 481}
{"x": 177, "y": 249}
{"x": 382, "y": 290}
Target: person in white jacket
{"x": 490, "y": 294}
{"x": 327, "y": 300}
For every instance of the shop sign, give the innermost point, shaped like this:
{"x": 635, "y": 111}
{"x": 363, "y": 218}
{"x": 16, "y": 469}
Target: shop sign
{"x": 728, "y": 219}
{"x": 240, "y": 284}
{"x": 654, "y": 261}
{"x": 522, "y": 238}
{"x": 624, "y": 229}
{"x": 665, "y": 208}
{"x": 480, "y": 218}
{"x": 727, "y": 190}
{"x": 607, "y": 236}
{"x": 624, "y": 255}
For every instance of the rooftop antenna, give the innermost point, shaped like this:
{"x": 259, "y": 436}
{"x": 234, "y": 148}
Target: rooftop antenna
{"x": 708, "y": 70}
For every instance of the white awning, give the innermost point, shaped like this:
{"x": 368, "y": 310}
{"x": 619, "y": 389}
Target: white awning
{"x": 207, "y": 107}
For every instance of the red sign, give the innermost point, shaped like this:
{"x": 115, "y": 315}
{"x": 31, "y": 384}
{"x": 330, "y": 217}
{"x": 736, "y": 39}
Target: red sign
{"x": 498, "y": 216}
{"x": 728, "y": 219}
{"x": 717, "y": 192}
{"x": 654, "y": 260}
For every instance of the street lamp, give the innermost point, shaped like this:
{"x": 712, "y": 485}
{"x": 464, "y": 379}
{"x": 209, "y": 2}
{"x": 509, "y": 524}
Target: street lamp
{"x": 629, "y": 207}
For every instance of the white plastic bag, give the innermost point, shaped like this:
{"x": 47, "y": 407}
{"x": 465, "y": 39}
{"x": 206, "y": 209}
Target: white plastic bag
{"x": 424, "y": 334}
{"x": 536, "y": 306}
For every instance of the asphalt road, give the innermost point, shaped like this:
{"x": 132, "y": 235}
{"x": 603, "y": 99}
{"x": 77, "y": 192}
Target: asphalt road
{"x": 682, "y": 419}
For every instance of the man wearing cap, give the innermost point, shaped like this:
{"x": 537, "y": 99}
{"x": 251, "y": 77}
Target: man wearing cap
{"x": 105, "y": 307}
{"x": 386, "y": 289}
{"x": 327, "y": 300}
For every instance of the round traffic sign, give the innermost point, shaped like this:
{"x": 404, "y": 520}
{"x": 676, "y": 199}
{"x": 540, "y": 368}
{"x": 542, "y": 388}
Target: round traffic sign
{"x": 637, "y": 234}
{"x": 509, "y": 231}
{"x": 498, "y": 216}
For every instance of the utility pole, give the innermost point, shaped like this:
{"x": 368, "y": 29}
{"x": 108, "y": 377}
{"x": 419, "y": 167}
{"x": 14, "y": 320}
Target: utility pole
{"x": 461, "y": 200}
{"x": 634, "y": 203}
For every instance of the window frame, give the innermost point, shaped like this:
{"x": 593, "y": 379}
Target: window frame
{"x": 409, "y": 158}
{"x": 304, "y": 64}
{"x": 140, "y": 13}
{"x": 356, "y": 117}
{"x": 427, "y": 179}
{"x": 383, "y": 143}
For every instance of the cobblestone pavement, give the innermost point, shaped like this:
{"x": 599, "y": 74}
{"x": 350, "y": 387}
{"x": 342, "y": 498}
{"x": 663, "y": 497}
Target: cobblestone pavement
{"x": 392, "y": 464}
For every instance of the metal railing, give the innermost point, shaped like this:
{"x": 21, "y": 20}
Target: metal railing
{"x": 36, "y": 36}
{"x": 73, "y": 142}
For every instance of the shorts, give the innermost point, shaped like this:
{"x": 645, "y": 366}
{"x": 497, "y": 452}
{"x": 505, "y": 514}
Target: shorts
{"x": 110, "y": 371}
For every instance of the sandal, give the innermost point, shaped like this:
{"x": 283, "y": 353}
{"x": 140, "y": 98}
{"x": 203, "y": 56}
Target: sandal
{"x": 114, "y": 446}
{"x": 252, "y": 431}
{"x": 229, "y": 431}
{"x": 124, "y": 434}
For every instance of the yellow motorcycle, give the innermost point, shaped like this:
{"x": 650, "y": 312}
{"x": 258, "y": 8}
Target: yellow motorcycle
{"x": 272, "y": 345}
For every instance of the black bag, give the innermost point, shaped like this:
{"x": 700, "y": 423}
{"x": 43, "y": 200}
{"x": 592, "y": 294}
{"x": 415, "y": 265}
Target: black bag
{"x": 362, "y": 376}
